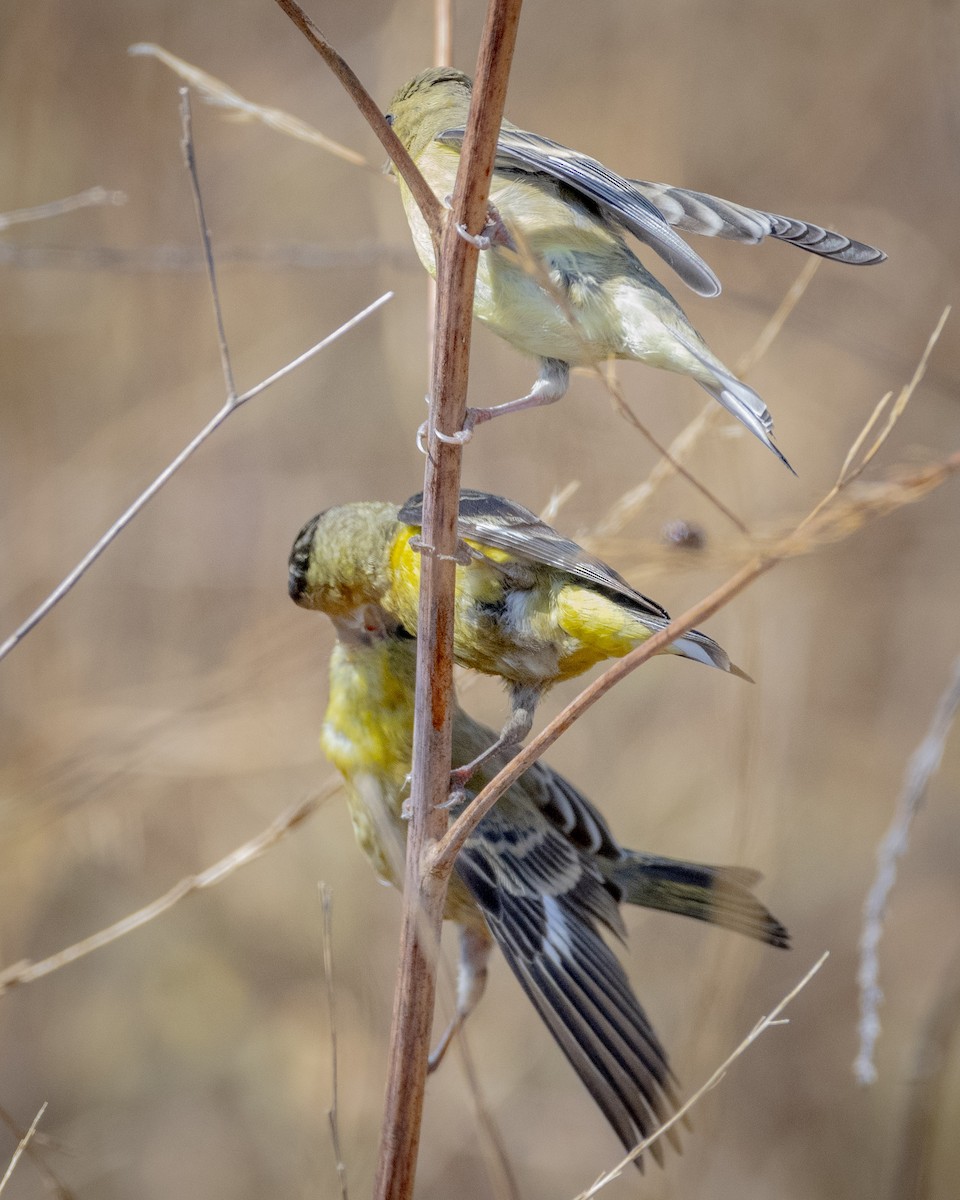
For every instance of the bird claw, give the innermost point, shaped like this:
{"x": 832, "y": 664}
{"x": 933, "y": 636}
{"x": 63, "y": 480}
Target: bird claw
{"x": 493, "y": 233}
{"x": 458, "y": 793}
{"x": 482, "y": 241}
{"x": 460, "y": 438}
{"x": 474, "y": 416}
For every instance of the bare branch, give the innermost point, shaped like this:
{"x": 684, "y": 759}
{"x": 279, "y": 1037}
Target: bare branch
{"x": 190, "y": 161}
{"x": 296, "y": 814}
{"x": 767, "y": 1022}
{"x": 502, "y": 1179}
{"x": 667, "y": 457}
{"x": 682, "y": 445}
{"x": 928, "y": 1090}
{"x": 829, "y": 525}
{"x": 326, "y": 906}
{"x": 92, "y": 198}
{"x": 171, "y": 469}
{"x": 424, "y": 891}
{"x": 923, "y": 765}
{"x": 32, "y": 1151}
{"x": 427, "y": 202}
{"x": 24, "y": 1142}
{"x": 214, "y": 91}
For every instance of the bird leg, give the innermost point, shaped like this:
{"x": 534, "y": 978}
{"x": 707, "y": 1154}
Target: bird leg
{"x": 475, "y": 946}
{"x": 550, "y": 385}
{"x": 523, "y": 700}
{"x": 494, "y": 232}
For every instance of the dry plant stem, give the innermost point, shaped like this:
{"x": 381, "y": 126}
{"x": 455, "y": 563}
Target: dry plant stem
{"x": 233, "y": 401}
{"x": 56, "y": 1185}
{"x": 170, "y": 470}
{"x": 627, "y": 507}
{"x": 819, "y": 525}
{"x": 499, "y": 1169}
{"x": 442, "y": 33}
{"x": 928, "y": 1101}
{"x": 190, "y": 160}
{"x": 291, "y": 818}
{"x": 880, "y": 500}
{"x": 631, "y": 418}
{"x": 215, "y": 91}
{"x": 427, "y": 202}
{"x": 326, "y": 906}
{"x": 923, "y": 765}
{"x": 772, "y": 1018}
{"x": 446, "y": 851}
{"x": 92, "y": 198}
{"x": 424, "y": 891}
{"x": 24, "y": 1142}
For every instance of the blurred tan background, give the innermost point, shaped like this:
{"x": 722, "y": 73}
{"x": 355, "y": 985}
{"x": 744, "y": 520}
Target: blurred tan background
{"x": 169, "y": 708}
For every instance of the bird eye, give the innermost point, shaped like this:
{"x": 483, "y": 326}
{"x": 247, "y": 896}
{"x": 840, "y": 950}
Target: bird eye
{"x": 389, "y": 118}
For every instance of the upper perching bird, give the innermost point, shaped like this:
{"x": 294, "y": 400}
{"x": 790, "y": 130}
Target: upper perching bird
{"x": 572, "y": 214}
{"x": 540, "y": 876}
{"x": 531, "y": 606}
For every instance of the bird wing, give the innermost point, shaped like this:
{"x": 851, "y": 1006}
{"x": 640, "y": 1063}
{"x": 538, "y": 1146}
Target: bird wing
{"x": 697, "y": 212}
{"x": 543, "y": 903}
{"x": 569, "y": 811}
{"x": 505, "y": 525}
{"x": 620, "y": 200}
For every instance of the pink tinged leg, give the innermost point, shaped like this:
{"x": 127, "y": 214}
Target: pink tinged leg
{"x": 550, "y": 386}
{"x": 523, "y": 701}
{"x": 475, "y": 946}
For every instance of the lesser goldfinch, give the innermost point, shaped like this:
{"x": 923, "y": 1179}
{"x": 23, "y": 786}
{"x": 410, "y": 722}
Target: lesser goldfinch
{"x": 531, "y": 606}
{"x": 540, "y": 876}
{"x": 572, "y": 213}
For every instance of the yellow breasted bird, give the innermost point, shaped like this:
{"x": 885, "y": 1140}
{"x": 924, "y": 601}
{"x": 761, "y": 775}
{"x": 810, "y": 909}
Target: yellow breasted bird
{"x": 573, "y": 214}
{"x": 541, "y": 876}
{"x": 531, "y": 606}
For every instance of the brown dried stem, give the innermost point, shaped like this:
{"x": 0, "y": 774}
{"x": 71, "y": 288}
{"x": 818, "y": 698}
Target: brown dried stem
{"x": 425, "y": 891}
{"x": 290, "y": 818}
{"x": 427, "y": 202}
{"x": 824, "y": 524}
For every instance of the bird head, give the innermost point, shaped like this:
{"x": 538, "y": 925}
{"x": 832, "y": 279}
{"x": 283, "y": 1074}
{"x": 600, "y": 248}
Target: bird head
{"x": 340, "y": 559}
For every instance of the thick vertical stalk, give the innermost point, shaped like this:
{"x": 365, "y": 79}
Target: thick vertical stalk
{"x": 424, "y": 892}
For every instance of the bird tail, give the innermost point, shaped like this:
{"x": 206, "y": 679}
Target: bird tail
{"x": 719, "y": 895}
{"x": 739, "y": 400}
{"x": 702, "y": 648}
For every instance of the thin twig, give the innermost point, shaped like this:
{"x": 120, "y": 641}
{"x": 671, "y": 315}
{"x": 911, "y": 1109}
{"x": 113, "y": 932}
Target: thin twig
{"x": 627, "y": 507}
{"x": 214, "y": 91}
{"x": 22, "y": 1145}
{"x": 928, "y": 1090}
{"x": 667, "y": 457}
{"x": 33, "y": 1153}
{"x": 429, "y": 205}
{"x": 92, "y": 198}
{"x": 171, "y": 469}
{"x": 832, "y": 525}
{"x": 778, "y": 319}
{"x": 923, "y": 765}
{"x": 502, "y": 1178}
{"x": 326, "y": 906}
{"x": 536, "y": 268}
{"x": 171, "y": 257}
{"x": 190, "y": 160}
{"x": 289, "y": 819}
{"x": 761, "y": 1027}
{"x": 442, "y": 33}
{"x": 853, "y": 468}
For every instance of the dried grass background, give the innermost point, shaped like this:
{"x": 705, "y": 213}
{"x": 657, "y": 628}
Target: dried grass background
{"x": 170, "y": 707}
